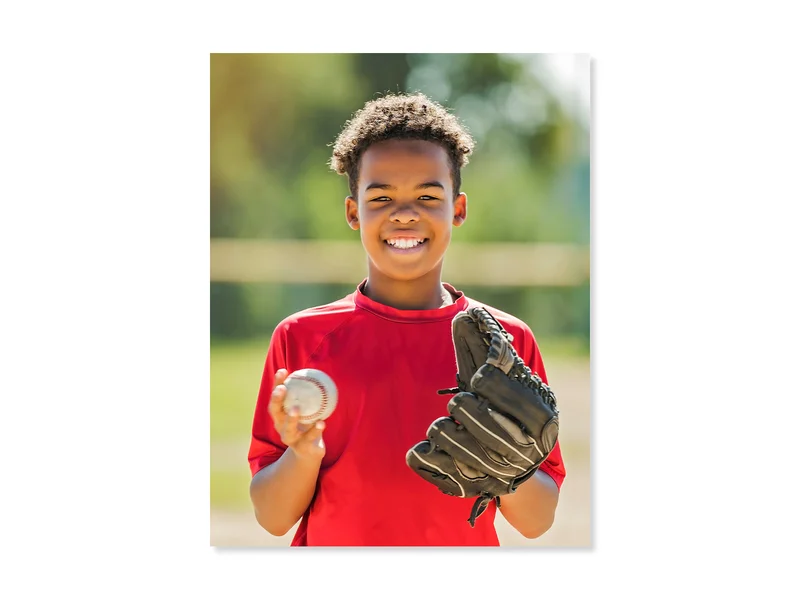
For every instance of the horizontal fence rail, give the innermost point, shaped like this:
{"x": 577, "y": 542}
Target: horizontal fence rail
{"x": 343, "y": 262}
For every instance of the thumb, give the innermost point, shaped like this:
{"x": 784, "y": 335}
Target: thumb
{"x": 313, "y": 437}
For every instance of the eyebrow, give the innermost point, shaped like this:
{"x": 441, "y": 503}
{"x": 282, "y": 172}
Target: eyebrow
{"x": 421, "y": 186}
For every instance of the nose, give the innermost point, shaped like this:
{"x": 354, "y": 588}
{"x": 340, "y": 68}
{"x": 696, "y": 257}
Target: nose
{"x": 405, "y": 214}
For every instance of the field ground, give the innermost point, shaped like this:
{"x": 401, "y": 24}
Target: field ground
{"x": 235, "y": 377}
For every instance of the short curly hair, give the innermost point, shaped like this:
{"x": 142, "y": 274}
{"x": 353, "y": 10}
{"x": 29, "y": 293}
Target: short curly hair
{"x": 405, "y": 117}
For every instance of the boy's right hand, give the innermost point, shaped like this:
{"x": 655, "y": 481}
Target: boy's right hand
{"x": 305, "y": 440}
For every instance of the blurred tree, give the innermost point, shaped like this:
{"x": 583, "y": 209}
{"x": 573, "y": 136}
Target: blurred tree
{"x": 382, "y": 73}
{"x": 274, "y": 117}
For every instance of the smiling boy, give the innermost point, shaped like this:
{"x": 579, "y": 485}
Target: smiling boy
{"x": 388, "y": 347}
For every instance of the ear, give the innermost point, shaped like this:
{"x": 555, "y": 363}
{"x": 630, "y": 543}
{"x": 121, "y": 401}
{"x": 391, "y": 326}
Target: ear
{"x": 459, "y": 210}
{"x": 351, "y": 212}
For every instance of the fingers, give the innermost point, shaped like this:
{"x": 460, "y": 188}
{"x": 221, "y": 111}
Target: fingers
{"x": 303, "y": 438}
{"x": 280, "y": 376}
{"x": 286, "y": 424}
{"x": 309, "y": 442}
{"x": 313, "y": 437}
{"x": 275, "y": 407}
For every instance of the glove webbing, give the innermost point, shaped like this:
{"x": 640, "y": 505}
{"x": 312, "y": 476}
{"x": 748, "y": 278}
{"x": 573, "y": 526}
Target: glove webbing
{"x": 520, "y": 371}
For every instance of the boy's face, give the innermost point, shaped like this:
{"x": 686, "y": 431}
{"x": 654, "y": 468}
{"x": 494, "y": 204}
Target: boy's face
{"x": 405, "y": 208}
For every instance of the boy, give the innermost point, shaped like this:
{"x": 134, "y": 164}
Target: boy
{"x": 388, "y": 347}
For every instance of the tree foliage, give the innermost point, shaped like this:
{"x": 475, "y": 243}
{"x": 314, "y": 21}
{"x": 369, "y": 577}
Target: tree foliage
{"x": 274, "y": 116}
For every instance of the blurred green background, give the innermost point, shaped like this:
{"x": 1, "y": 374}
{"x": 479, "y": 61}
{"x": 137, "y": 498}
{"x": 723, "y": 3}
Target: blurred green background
{"x": 273, "y": 120}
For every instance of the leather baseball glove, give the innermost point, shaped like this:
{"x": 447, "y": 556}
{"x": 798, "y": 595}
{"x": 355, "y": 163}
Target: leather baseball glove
{"x": 503, "y": 419}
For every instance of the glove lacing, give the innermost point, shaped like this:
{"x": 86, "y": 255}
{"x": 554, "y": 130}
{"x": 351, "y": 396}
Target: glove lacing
{"x": 520, "y": 371}
{"x": 480, "y": 506}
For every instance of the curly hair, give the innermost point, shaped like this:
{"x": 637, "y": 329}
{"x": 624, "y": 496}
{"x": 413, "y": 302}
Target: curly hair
{"x": 406, "y": 117}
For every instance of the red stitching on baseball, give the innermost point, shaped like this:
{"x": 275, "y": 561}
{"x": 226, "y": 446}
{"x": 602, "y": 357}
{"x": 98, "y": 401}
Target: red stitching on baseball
{"x": 322, "y": 391}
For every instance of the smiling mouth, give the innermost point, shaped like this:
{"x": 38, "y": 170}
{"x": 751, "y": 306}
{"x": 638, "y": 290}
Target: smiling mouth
{"x": 405, "y": 244}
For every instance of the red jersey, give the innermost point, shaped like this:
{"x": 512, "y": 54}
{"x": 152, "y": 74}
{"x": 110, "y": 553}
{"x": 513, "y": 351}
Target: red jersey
{"x": 388, "y": 365}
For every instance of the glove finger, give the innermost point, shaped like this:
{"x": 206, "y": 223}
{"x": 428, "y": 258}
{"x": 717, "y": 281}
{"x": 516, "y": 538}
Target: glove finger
{"x": 499, "y": 350}
{"x": 433, "y": 466}
{"x": 522, "y": 403}
{"x": 458, "y": 442}
{"x": 471, "y": 347}
{"x": 450, "y": 476}
{"x": 495, "y": 431}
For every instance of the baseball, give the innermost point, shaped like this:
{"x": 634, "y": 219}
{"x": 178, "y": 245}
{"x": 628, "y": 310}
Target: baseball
{"x": 313, "y": 391}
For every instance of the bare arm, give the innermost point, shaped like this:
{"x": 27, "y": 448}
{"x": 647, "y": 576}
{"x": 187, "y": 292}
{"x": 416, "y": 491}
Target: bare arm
{"x": 282, "y": 491}
{"x": 532, "y": 508}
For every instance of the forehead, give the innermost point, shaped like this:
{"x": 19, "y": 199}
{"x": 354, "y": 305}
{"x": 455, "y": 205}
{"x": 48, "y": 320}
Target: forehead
{"x": 402, "y": 159}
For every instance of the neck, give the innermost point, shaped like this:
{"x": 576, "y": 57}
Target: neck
{"x": 417, "y": 294}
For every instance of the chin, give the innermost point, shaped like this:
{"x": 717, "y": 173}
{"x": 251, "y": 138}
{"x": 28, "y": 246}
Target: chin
{"x": 401, "y": 272}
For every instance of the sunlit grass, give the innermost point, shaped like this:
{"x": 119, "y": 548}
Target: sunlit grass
{"x": 235, "y": 371}
{"x": 229, "y": 488}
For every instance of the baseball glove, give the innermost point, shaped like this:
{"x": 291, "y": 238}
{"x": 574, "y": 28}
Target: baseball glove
{"x": 503, "y": 419}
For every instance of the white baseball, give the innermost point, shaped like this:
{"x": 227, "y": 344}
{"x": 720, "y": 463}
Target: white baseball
{"x": 313, "y": 392}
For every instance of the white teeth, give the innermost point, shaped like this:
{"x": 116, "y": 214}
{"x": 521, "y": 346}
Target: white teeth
{"x": 404, "y": 243}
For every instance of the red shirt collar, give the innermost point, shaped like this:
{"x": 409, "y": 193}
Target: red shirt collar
{"x": 445, "y": 313}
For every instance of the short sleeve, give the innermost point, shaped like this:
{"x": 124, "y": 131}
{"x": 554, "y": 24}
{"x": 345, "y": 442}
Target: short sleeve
{"x": 554, "y": 464}
{"x": 265, "y": 443}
